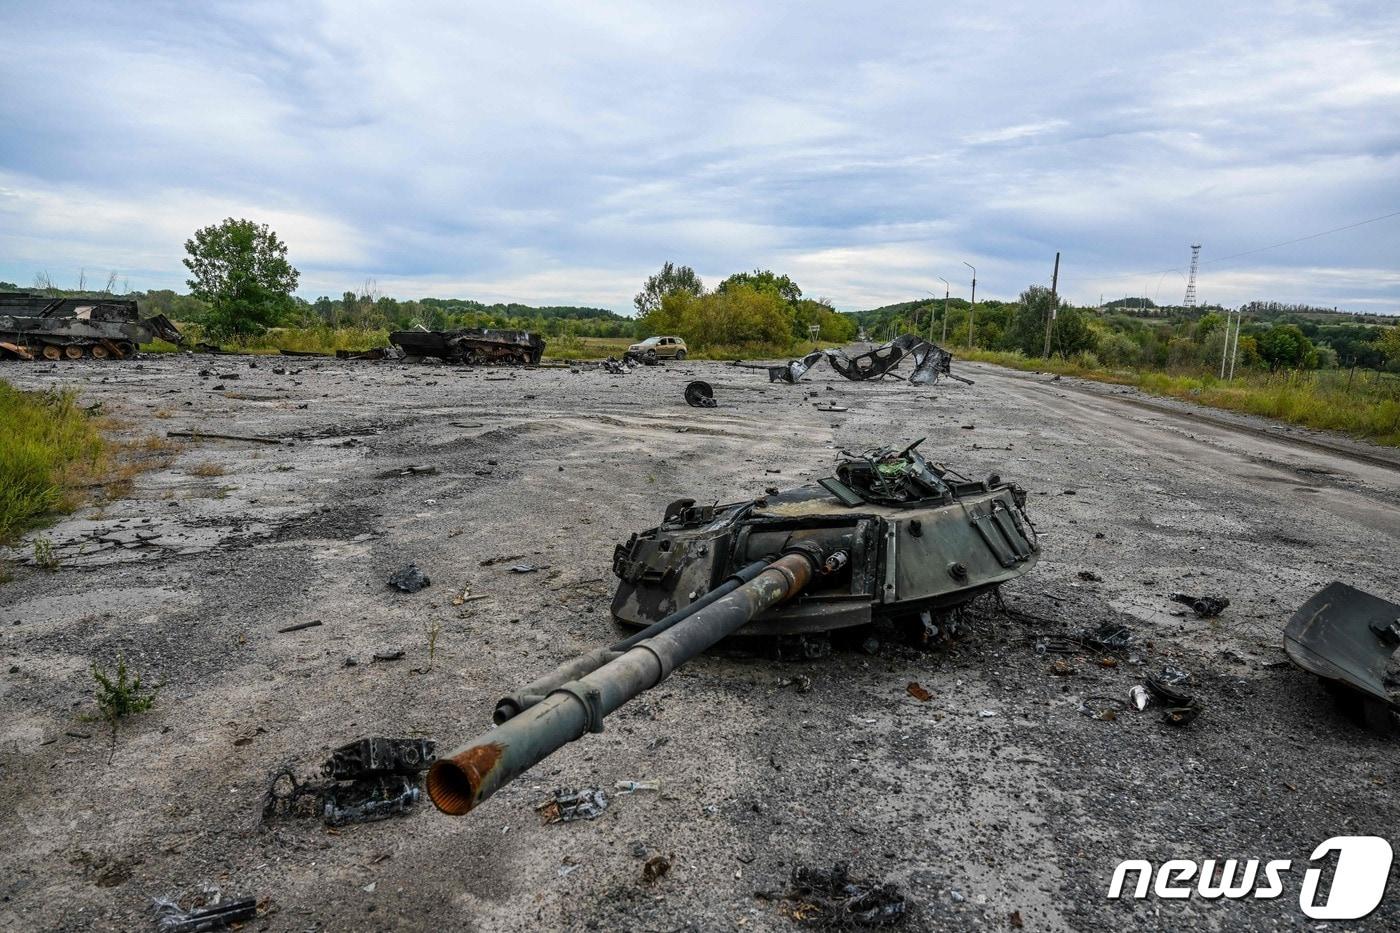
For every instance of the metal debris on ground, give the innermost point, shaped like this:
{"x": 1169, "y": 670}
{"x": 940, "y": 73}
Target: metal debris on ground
{"x": 410, "y": 471}
{"x": 1346, "y": 637}
{"x": 799, "y": 682}
{"x": 1104, "y": 708}
{"x": 830, "y": 897}
{"x": 615, "y": 366}
{"x": 1140, "y": 696}
{"x": 917, "y": 691}
{"x": 700, "y": 395}
{"x": 930, "y": 362}
{"x": 1110, "y": 635}
{"x": 1088, "y": 576}
{"x": 364, "y": 781}
{"x": 1207, "y": 607}
{"x": 1061, "y": 668}
{"x": 1180, "y": 708}
{"x": 528, "y": 568}
{"x": 213, "y": 914}
{"x": 631, "y": 787}
{"x": 568, "y": 805}
{"x": 409, "y": 580}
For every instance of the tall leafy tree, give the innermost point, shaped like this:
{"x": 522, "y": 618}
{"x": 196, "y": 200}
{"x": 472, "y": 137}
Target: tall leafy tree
{"x": 763, "y": 280}
{"x": 240, "y": 268}
{"x": 1284, "y": 346}
{"x": 670, "y": 280}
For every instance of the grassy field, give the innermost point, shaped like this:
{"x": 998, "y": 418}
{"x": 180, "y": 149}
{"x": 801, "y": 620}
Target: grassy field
{"x": 50, "y": 450}
{"x": 1365, "y": 404}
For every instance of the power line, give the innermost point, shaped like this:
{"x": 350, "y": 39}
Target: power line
{"x": 1250, "y": 252}
{"x": 1311, "y": 236}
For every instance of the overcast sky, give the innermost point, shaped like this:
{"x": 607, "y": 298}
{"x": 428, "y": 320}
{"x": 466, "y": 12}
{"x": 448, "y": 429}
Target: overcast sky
{"x": 560, "y": 152}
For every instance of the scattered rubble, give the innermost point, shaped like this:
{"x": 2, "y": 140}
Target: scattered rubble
{"x": 1207, "y": 607}
{"x": 367, "y": 780}
{"x": 830, "y": 897}
{"x": 211, "y": 913}
{"x": 409, "y": 580}
{"x": 568, "y": 805}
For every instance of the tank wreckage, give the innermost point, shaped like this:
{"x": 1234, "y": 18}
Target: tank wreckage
{"x": 37, "y": 327}
{"x": 473, "y": 346}
{"x": 930, "y": 362}
{"x": 890, "y": 535}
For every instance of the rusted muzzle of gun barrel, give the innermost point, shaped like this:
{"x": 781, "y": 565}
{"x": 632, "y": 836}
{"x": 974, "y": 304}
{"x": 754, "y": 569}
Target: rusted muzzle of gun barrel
{"x": 463, "y": 779}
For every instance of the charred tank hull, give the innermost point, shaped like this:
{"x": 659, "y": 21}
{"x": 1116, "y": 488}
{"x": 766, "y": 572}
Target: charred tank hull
{"x": 473, "y": 345}
{"x": 36, "y": 327}
{"x": 928, "y": 555}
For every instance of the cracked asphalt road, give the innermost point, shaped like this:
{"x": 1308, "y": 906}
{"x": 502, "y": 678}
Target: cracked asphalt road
{"x": 1027, "y": 809}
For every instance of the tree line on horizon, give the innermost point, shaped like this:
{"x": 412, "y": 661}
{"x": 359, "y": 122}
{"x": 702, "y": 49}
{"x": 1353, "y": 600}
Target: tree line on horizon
{"x": 242, "y": 284}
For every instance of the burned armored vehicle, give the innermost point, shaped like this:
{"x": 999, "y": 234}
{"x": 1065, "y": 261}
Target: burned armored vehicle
{"x": 889, "y": 536}
{"x": 472, "y": 346}
{"x": 34, "y": 326}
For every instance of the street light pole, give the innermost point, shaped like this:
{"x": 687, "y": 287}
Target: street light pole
{"x": 972, "y": 309}
{"x": 946, "y": 289}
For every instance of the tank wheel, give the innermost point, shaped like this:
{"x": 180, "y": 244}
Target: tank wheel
{"x": 73, "y": 351}
{"x": 125, "y": 348}
{"x": 52, "y": 352}
{"x": 99, "y": 352}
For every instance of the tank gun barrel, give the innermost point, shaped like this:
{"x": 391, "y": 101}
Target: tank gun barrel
{"x": 460, "y": 781}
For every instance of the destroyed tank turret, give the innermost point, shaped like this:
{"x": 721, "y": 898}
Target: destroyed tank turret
{"x": 35, "y": 327}
{"x": 476, "y": 345}
{"x": 890, "y": 535}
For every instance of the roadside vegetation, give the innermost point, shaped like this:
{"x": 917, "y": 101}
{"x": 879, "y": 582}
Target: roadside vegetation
{"x": 50, "y": 451}
{"x": 1365, "y": 404}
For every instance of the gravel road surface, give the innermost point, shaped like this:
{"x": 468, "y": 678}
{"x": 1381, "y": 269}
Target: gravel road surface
{"x": 996, "y": 804}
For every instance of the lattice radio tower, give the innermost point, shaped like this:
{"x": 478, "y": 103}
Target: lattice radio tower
{"x": 1190, "y": 301}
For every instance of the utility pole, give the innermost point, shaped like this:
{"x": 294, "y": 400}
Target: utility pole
{"x": 972, "y": 309}
{"x": 946, "y": 289}
{"x": 1235, "y": 353}
{"x": 1054, "y": 305}
{"x": 1225, "y": 348}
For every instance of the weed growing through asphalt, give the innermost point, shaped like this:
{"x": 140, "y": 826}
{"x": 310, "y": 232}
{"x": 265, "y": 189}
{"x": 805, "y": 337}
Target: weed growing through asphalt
{"x": 44, "y": 556}
{"x": 122, "y": 694}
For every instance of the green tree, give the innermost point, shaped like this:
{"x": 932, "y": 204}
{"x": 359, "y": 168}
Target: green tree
{"x": 1284, "y": 345}
{"x": 671, "y": 279}
{"x": 1389, "y": 344}
{"x": 240, "y": 268}
{"x": 764, "y": 280}
{"x": 1026, "y": 330}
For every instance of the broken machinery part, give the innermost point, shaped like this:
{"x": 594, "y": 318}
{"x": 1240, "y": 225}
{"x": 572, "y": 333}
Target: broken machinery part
{"x": 1347, "y": 637}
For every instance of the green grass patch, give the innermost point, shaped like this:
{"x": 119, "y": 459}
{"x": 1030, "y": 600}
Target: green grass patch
{"x": 50, "y": 448}
{"x": 1366, "y": 406}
